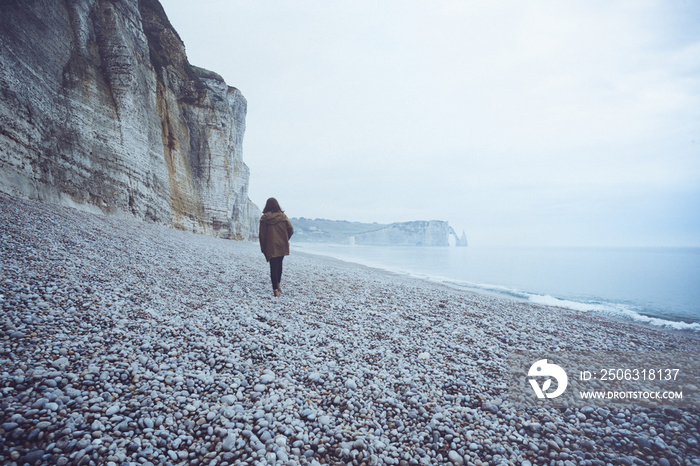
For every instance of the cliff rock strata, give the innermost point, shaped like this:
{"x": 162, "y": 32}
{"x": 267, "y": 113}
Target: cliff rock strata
{"x": 100, "y": 109}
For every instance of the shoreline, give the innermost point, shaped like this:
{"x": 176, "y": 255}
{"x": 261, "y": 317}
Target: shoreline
{"x": 125, "y": 341}
{"x": 492, "y": 290}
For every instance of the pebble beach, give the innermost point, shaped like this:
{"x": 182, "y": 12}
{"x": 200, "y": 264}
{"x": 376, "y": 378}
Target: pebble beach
{"x": 125, "y": 342}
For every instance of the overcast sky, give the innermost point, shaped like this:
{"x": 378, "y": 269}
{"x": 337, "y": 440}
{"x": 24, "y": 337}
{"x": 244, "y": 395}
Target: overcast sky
{"x": 521, "y": 122}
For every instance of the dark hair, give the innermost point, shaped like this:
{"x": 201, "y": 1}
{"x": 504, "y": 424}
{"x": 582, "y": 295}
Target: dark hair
{"x": 272, "y": 206}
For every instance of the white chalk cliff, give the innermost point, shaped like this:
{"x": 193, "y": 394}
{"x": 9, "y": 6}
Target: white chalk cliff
{"x": 416, "y": 233}
{"x": 100, "y": 109}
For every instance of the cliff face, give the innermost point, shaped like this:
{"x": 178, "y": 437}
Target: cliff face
{"x": 100, "y": 109}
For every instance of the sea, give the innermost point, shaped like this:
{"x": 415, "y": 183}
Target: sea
{"x": 653, "y": 286}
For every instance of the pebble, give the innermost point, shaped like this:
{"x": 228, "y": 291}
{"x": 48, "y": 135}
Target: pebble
{"x": 455, "y": 457}
{"x": 9, "y": 426}
{"x": 40, "y": 403}
{"x": 125, "y": 342}
{"x": 51, "y": 406}
{"x": 229, "y": 443}
{"x": 60, "y": 363}
{"x": 114, "y": 409}
{"x": 229, "y": 399}
{"x": 33, "y": 456}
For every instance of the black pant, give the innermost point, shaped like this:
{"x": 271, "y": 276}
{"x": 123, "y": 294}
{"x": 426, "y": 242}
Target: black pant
{"x": 276, "y": 271}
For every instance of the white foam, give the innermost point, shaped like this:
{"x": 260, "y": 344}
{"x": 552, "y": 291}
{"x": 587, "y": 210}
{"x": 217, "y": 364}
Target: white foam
{"x": 609, "y": 309}
{"x": 614, "y": 310}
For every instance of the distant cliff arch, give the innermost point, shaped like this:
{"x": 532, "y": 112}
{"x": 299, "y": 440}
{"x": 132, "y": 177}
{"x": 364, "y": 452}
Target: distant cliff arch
{"x": 416, "y": 233}
{"x": 460, "y": 241}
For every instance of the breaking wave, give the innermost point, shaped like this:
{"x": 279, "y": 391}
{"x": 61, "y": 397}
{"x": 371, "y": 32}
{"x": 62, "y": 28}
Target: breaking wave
{"x": 608, "y": 309}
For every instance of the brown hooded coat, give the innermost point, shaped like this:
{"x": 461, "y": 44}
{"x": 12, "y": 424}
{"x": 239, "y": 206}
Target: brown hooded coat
{"x": 275, "y": 231}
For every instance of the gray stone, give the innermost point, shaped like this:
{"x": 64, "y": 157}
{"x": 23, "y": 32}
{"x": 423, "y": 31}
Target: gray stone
{"x": 587, "y": 445}
{"x": 455, "y": 457}
{"x": 229, "y": 443}
{"x": 492, "y": 408}
{"x": 229, "y": 399}
{"x": 282, "y": 456}
{"x": 114, "y": 409}
{"x": 643, "y": 442}
{"x": 660, "y": 444}
{"x": 52, "y": 406}
{"x": 33, "y": 456}
{"x": 535, "y": 427}
{"x": 40, "y": 403}
{"x": 61, "y": 363}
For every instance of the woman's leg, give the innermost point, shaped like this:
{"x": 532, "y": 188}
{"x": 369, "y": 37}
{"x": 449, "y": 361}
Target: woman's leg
{"x": 275, "y": 271}
{"x": 279, "y": 273}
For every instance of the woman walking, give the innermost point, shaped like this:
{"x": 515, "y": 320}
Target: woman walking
{"x": 275, "y": 231}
